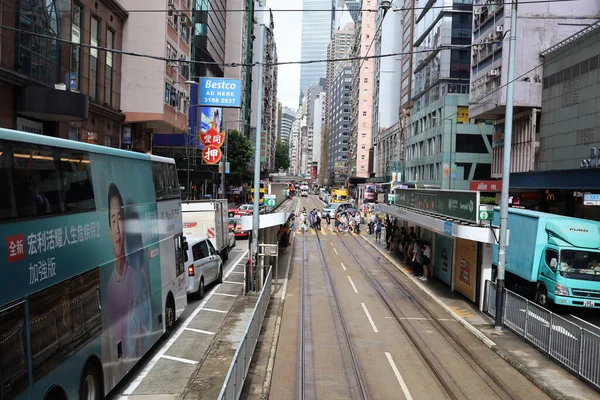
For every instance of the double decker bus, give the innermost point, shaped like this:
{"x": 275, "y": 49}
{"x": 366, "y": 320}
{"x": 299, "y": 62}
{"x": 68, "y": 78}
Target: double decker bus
{"x": 370, "y": 194}
{"x": 93, "y": 254}
{"x": 261, "y": 195}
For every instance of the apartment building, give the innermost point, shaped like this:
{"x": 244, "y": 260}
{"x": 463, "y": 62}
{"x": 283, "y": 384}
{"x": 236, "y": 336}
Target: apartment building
{"x": 339, "y": 124}
{"x": 288, "y": 116}
{"x": 155, "y": 97}
{"x": 361, "y": 107}
{"x": 57, "y": 88}
{"x": 489, "y": 69}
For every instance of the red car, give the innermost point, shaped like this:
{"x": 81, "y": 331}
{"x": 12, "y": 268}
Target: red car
{"x": 244, "y": 209}
{"x": 235, "y": 226}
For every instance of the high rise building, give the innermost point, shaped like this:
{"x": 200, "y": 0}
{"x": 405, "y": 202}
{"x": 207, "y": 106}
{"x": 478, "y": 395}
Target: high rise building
{"x": 34, "y": 94}
{"x": 317, "y": 28}
{"x": 386, "y": 97}
{"x": 155, "y": 97}
{"x": 361, "y": 107}
{"x": 236, "y": 44}
{"x": 208, "y": 43}
{"x": 288, "y": 115}
{"x": 339, "y": 124}
{"x": 489, "y": 70}
{"x": 445, "y": 147}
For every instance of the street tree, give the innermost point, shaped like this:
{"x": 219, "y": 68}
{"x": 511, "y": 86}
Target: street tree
{"x": 282, "y": 155}
{"x": 239, "y": 154}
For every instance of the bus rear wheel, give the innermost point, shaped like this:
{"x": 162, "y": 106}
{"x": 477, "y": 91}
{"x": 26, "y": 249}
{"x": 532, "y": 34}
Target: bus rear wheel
{"x": 90, "y": 387}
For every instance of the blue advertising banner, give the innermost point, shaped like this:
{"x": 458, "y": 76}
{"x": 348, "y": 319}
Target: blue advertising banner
{"x": 220, "y": 92}
{"x": 443, "y": 258}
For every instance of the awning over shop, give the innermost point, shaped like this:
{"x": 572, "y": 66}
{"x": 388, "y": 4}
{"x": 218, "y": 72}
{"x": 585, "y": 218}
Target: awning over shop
{"x": 569, "y": 179}
{"x": 462, "y": 230}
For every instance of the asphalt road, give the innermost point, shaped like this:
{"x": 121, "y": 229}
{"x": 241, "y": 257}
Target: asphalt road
{"x": 155, "y": 376}
{"x": 351, "y": 328}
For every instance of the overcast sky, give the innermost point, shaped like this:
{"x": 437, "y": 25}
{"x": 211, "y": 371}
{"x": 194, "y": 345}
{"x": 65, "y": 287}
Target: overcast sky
{"x": 288, "y": 31}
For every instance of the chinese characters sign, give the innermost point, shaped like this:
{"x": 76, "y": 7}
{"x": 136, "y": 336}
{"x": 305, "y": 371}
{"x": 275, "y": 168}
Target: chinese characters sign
{"x": 211, "y": 154}
{"x": 212, "y": 137}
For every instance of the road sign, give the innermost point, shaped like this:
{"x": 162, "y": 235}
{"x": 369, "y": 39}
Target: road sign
{"x": 211, "y": 154}
{"x": 220, "y": 92}
{"x": 486, "y": 212}
{"x": 270, "y": 200}
{"x": 590, "y": 199}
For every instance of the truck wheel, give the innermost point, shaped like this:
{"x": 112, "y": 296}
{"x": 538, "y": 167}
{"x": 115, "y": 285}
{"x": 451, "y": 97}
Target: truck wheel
{"x": 541, "y": 296}
{"x": 220, "y": 275}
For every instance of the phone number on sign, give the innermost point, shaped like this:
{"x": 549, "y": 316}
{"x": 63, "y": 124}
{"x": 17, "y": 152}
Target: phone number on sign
{"x": 213, "y": 100}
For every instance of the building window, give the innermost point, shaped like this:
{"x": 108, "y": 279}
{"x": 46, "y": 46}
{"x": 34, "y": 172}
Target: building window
{"x": 184, "y": 32}
{"x": 95, "y": 34}
{"x": 363, "y": 135}
{"x": 363, "y": 146}
{"x": 171, "y": 52}
{"x": 75, "y": 48}
{"x": 38, "y": 57}
{"x": 171, "y": 96}
{"x": 362, "y": 157}
{"x": 108, "y": 87}
{"x": 366, "y": 80}
{"x": 364, "y": 113}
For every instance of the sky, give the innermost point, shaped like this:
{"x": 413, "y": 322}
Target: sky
{"x": 288, "y": 31}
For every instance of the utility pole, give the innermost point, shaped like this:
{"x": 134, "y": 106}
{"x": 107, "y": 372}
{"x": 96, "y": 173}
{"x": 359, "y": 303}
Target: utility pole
{"x": 506, "y": 168}
{"x": 255, "y": 210}
{"x": 249, "y": 51}
{"x": 193, "y": 125}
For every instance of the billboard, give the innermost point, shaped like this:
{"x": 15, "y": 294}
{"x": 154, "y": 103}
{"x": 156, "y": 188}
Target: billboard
{"x": 465, "y": 268}
{"x": 449, "y": 203}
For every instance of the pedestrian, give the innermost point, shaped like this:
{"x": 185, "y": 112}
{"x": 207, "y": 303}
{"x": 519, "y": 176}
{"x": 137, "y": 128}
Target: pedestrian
{"x": 378, "y": 227}
{"x": 318, "y": 219}
{"x": 418, "y": 259}
{"x": 426, "y": 260}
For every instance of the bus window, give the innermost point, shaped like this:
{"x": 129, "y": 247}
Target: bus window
{"x": 180, "y": 253}
{"x": 43, "y": 181}
{"x": 13, "y": 352}
{"x": 166, "y": 184}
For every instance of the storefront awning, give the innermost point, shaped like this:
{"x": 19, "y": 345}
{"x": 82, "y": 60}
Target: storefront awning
{"x": 482, "y": 234}
{"x": 49, "y": 104}
{"x": 569, "y": 179}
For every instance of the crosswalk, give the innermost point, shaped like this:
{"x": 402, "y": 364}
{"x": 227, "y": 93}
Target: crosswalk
{"x": 325, "y": 230}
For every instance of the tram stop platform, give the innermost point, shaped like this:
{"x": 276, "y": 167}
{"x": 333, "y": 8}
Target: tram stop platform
{"x": 554, "y": 380}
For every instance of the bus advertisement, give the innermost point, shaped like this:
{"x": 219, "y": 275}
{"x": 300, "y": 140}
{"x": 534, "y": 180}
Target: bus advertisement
{"x": 95, "y": 258}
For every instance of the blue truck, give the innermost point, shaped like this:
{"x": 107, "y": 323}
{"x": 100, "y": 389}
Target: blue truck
{"x": 553, "y": 257}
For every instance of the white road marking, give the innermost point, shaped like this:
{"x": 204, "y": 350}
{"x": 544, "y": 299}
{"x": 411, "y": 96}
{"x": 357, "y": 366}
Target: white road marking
{"x": 398, "y": 376}
{"x": 353, "y": 285}
{"x": 237, "y": 272}
{"x": 417, "y": 318}
{"x": 331, "y": 243}
{"x": 343, "y": 266}
{"x": 369, "y": 317}
{"x": 234, "y": 283}
{"x": 136, "y": 382}
{"x": 200, "y": 331}
{"x": 226, "y": 294}
{"x": 183, "y": 360}
{"x": 213, "y": 310}
{"x": 336, "y": 253}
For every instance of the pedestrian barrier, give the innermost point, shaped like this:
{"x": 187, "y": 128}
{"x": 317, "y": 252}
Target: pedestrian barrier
{"x": 238, "y": 370}
{"x": 576, "y": 348}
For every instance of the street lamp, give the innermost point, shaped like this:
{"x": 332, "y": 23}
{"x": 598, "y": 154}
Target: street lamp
{"x": 385, "y": 5}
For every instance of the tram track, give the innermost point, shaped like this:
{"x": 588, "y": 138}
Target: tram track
{"x": 436, "y": 366}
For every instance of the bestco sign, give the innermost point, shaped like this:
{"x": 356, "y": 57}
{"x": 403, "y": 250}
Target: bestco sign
{"x": 220, "y": 92}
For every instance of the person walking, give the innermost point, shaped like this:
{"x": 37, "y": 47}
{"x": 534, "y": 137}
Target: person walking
{"x": 426, "y": 259}
{"x": 378, "y": 227}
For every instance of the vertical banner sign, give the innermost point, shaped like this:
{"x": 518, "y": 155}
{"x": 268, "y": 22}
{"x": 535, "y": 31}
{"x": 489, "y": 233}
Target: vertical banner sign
{"x": 263, "y": 147}
{"x": 465, "y": 268}
{"x": 442, "y": 263}
{"x": 462, "y": 115}
{"x": 193, "y": 114}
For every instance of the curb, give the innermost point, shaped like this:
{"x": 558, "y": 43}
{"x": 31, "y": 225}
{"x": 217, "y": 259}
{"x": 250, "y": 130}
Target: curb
{"x": 271, "y": 363}
{"x": 511, "y": 360}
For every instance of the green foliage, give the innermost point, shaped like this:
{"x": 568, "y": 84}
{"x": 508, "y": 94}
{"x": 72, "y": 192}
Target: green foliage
{"x": 239, "y": 155}
{"x": 282, "y": 156}
{"x": 487, "y": 200}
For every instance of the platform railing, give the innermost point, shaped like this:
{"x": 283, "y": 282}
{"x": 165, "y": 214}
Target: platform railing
{"x": 238, "y": 370}
{"x": 571, "y": 345}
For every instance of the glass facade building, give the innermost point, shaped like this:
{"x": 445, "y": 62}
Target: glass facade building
{"x": 317, "y": 28}
{"x": 339, "y": 124}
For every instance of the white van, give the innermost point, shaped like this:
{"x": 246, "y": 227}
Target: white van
{"x": 204, "y": 265}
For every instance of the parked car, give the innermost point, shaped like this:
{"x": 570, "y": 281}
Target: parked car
{"x": 204, "y": 265}
{"x": 244, "y": 209}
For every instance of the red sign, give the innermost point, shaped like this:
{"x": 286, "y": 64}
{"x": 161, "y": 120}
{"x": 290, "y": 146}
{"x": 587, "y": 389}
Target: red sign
{"x": 189, "y": 224}
{"x": 211, "y": 233}
{"x": 211, "y": 154}
{"x": 486, "y": 186}
{"x": 16, "y": 247}
{"x": 212, "y": 137}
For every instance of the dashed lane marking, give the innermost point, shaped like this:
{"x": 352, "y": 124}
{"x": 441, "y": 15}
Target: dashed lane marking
{"x": 200, "y": 331}
{"x": 369, "y": 316}
{"x": 226, "y": 294}
{"x": 213, "y": 310}
{"x": 183, "y": 360}
{"x": 398, "y": 376}
{"x": 353, "y": 286}
{"x": 336, "y": 253}
{"x": 343, "y": 266}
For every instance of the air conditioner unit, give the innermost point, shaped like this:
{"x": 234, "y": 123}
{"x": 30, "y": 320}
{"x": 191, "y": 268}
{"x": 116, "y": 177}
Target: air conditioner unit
{"x": 476, "y": 47}
{"x": 499, "y": 29}
{"x": 491, "y": 36}
{"x": 494, "y": 72}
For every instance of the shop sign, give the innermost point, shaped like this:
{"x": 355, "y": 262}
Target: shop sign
{"x": 590, "y": 199}
{"x": 211, "y": 154}
{"x": 27, "y": 125}
{"x": 126, "y": 135}
{"x": 462, "y": 115}
{"x": 486, "y": 186}
{"x": 89, "y": 137}
{"x": 465, "y": 268}
{"x": 498, "y": 135}
{"x": 447, "y": 203}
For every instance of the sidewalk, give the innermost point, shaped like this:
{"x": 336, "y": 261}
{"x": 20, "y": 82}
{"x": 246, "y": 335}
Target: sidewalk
{"x": 550, "y": 377}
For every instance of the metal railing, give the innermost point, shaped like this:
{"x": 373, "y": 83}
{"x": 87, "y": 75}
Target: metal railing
{"x": 576, "y": 348}
{"x": 238, "y": 370}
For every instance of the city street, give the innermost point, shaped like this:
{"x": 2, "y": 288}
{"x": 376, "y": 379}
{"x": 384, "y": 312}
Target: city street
{"x": 352, "y": 329}
{"x": 166, "y": 370}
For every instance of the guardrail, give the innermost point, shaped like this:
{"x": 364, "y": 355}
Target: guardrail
{"x": 238, "y": 370}
{"x": 576, "y": 348}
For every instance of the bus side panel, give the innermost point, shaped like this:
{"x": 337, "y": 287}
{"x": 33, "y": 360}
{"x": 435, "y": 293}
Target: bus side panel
{"x": 169, "y": 227}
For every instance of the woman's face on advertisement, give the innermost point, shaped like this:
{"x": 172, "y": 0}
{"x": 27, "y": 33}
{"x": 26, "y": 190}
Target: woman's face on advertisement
{"x": 116, "y": 227}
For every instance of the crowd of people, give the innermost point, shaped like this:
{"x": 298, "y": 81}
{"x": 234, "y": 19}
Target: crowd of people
{"x": 416, "y": 253}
